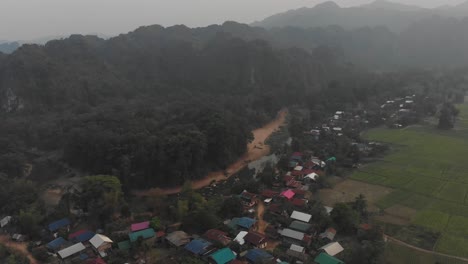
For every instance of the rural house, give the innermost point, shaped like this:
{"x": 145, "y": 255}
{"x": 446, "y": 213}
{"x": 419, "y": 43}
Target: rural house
{"x": 332, "y": 249}
{"x": 139, "y": 226}
{"x": 199, "y": 247}
{"x": 101, "y": 244}
{"x": 324, "y": 258}
{"x": 71, "y": 250}
{"x": 296, "y": 215}
{"x": 178, "y": 238}
{"x": 256, "y": 239}
{"x": 222, "y": 256}
{"x": 60, "y": 224}
{"x": 258, "y": 256}
{"x": 145, "y": 234}
{"x": 218, "y": 236}
{"x": 330, "y": 234}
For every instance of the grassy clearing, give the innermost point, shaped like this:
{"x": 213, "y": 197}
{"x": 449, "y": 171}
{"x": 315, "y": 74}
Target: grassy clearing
{"x": 458, "y": 225}
{"x": 453, "y": 192}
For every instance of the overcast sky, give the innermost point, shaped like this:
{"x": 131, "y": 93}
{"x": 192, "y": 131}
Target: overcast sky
{"x": 31, "y": 19}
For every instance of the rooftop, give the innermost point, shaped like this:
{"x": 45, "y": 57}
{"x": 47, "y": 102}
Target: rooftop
{"x": 301, "y": 216}
{"x": 139, "y": 226}
{"x": 223, "y": 256}
{"x": 145, "y": 234}
{"x": 324, "y": 258}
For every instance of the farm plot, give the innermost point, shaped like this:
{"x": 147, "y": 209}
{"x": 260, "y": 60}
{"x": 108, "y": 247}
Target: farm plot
{"x": 453, "y": 245}
{"x": 428, "y": 172}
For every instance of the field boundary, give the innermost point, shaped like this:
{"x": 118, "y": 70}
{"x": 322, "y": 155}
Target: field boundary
{"x": 397, "y": 241}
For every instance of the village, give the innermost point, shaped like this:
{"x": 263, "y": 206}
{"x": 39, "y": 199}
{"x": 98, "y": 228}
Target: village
{"x": 280, "y": 220}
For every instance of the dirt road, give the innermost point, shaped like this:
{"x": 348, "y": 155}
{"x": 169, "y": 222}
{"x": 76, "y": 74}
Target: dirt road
{"x": 21, "y": 248}
{"x": 424, "y": 250}
{"x": 262, "y": 225}
{"x": 255, "y": 150}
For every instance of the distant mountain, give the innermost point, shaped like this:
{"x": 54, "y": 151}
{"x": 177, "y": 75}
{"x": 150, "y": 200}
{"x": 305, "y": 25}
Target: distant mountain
{"x": 8, "y": 47}
{"x": 396, "y": 17}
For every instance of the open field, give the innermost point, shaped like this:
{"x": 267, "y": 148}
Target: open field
{"x": 347, "y": 191}
{"x": 427, "y": 170}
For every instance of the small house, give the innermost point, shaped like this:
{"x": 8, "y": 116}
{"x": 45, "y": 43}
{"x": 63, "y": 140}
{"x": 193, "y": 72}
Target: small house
{"x": 5, "y": 221}
{"x": 218, "y": 236}
{"x": 60, "y": 224}
{"x": 296, "y": 215}
{"x": 240, "y": 237}
{"x": 329, "y": 234}
{"x": 258, "y": 256}
{"x": 297, "y": 252}
{"x": 292, "y": 236}
{"x": 269, "y": 193}
{"x": 300, "y": 226}
{"x": 199, "y": 247}
{"x": 324, "y": 258}
{"x": 328, "y": 209}
{"x": 256, "y": 239}
{"x": 101, "y": 244}
{"x": 81, "y": 236}
{"x": 145, "y": 234}
{"x": 178, "y": 238}
{"x": 248, "y": 199}
{"x": 332, "y": 249}
{"x": 71, "y": 250}
{"x": 222, "y": 256}
{"x": 56, "y": 244}
{"x": 140, "y": 226}
{"x": 288, "y": 194}
{"x": 245, "y": 223}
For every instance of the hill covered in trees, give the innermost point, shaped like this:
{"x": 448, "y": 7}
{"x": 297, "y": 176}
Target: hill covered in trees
{"x": 156, "y": 106}
{"x": 159, "y": 106}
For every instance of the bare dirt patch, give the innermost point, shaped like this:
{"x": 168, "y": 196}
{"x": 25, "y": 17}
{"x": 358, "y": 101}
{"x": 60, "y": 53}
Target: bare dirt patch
{"x": 348, "y": 190}
{"x": 398, "y": 214}
{"x": 52, "y": 196}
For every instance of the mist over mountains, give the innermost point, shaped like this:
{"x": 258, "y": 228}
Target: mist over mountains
{"x": 396, "y": 17}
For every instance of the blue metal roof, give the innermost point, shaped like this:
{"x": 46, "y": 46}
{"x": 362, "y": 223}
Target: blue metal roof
{"x": 56, "y": 243}
{"x": 59, "y": 224}
{"x": 198, "y": 246}
{"x": 86, "y": 236}
{"x": 246, "y": 222}
{"x": 257, "y": 255}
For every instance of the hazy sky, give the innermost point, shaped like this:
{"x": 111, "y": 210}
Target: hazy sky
{"x": 30, "y": 19}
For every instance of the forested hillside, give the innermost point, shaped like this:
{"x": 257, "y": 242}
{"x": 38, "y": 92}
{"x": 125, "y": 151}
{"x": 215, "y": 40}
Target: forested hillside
{"x": 159, "y": 106}
{"x": 155, "y": 106}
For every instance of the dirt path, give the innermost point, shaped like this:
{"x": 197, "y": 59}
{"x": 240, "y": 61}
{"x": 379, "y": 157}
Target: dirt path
{"x": 262, "y": 225}
{"x": 399, "y": 242}
{"x": 17, "y": 247}
{"x": 255, "y": 150}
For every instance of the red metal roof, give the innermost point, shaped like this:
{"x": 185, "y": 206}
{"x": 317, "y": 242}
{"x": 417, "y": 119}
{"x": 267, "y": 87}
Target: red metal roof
{"x": 294, "y": 184}
{"x": 289, "y": 194}
{"x": 299, "y": 191}
{"x": 217, "y": 235}
{"x": 96, "y": 261}
{"x": 269, "y": 193}
{"x": 288, "y": 178}
{"x": 298, "y": 202}
{"x": 140, "y": 226}
{"x": 255, "y": 238}
{"x": 77, "y": 233}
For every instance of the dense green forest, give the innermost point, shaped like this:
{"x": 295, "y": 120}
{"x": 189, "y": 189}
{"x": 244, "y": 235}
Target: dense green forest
{"x": 159, "y": 106}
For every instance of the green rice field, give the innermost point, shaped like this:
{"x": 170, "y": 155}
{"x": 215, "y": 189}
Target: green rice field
{"x": 428, "y": 170}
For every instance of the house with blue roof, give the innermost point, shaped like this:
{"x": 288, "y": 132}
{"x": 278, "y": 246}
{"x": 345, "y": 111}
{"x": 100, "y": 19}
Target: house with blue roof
{"x": 56, "y": 244}
{"x": 222, "y": 256}
{"x": 257, "y": 256}
{"x": 199, "y": 247}
{"x": 59, "y": 224}
{"x": 246, "y": 222}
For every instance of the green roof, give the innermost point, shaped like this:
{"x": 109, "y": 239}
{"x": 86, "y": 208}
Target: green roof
{"x": 300, "y": 226}
{"x": 145, "y": 234}
{"x": 223, "y": 256}
{"x": 124, "y": 245}
{"x": 324, "y": 258}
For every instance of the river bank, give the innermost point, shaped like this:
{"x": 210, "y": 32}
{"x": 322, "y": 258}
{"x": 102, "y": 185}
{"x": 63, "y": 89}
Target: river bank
{"x": 256, "y": 150}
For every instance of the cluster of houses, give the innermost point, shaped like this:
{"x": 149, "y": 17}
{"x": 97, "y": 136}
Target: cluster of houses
{"x": 399, "y": 112}
{"x": 84, "y": 245}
